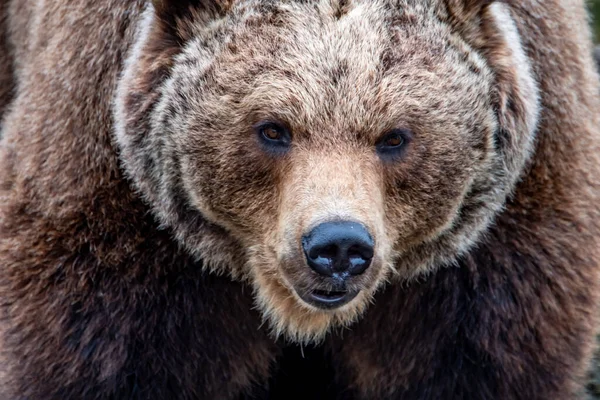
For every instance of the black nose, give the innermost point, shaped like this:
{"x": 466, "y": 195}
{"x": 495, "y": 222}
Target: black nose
{"x": 338, "y": 247}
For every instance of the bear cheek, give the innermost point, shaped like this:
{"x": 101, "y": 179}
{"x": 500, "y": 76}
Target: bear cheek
{"x": 422, "y": 200}
{"x": 232, "y": 185}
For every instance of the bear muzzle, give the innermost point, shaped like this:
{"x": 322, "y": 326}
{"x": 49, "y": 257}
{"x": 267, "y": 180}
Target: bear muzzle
{"x": 337, "y": 251}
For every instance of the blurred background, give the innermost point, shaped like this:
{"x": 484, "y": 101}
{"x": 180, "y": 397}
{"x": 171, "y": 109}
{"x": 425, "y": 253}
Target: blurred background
{"x": 593, "y": 387}
{"x": 594, "y": 382}
{"x": 594, "y": 6}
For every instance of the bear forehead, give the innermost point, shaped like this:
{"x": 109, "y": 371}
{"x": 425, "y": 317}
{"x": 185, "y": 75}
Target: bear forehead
{"x": 314, "y": 36}
{"x": 367, "y": 69}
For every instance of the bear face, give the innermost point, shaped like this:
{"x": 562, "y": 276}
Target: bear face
{"x": 319, "y": 149}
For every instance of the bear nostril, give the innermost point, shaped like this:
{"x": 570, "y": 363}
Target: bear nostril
{"x": 343, "y": 246}
{"x": 360, "y": 251}
{"x": 328, "y": 252}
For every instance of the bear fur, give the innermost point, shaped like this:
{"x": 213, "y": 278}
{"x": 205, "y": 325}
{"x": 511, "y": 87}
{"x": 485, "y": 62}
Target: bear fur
{"x": 149, "y": 244}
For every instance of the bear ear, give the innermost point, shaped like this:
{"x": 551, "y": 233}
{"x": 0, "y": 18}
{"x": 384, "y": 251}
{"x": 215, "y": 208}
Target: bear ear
{"x": 176, "y": 14}
{"x": 170, "y": 9}
{"x": 466, "y": 16}
{"x": 469, "y": 5}
{"x": 466, "y": 10}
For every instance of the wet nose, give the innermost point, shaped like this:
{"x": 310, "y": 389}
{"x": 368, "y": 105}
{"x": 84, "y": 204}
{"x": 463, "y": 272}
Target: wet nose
{"x": 338, "y": 247}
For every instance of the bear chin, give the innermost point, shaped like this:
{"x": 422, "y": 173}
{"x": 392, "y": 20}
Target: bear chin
{"x": 292, "y": 318}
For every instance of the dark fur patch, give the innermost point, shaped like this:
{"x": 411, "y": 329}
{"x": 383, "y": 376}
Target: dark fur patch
{"x": 342, "y": 8}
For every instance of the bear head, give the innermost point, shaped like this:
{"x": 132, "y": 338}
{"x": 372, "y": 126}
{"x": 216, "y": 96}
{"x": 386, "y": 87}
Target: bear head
{"x": 320, "y": 148}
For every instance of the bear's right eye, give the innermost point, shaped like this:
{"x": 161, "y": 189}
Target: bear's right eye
{"x": 392, "y": 145}
{"x": 273, "y": 135}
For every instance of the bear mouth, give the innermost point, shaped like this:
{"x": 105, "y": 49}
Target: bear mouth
{"x": 328, "y": 299}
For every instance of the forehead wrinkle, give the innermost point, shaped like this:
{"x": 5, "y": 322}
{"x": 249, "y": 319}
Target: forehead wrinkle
{"x": 282, "y": 98}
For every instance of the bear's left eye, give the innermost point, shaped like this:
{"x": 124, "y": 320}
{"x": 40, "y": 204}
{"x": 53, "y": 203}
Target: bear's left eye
{"x": 273, "y": 135}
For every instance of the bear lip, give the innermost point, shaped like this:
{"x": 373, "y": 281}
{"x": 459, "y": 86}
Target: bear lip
{"x": 328, "y": 299}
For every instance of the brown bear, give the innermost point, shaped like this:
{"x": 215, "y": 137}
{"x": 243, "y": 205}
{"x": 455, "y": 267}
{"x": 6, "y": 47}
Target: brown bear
{"x": 341, "y": 199}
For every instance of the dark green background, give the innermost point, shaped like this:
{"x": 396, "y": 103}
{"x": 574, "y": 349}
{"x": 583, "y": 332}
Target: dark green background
{"x": 595, "y": 11}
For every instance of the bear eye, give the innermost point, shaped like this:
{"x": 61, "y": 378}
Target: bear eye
{"x": 273, "y": 135}
{"x": 392, "y": 143}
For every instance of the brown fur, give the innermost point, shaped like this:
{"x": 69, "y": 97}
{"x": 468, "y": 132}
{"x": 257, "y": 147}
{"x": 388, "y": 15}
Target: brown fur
{"x": 484, "y": 280}
{"x": 422, "y": 214}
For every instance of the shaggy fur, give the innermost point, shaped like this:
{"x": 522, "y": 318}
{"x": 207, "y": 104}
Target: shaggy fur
{"x": 150, "y": 243}
{"x": 186, "y": 140}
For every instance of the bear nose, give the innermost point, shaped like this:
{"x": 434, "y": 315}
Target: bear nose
{"x": 338, "y": 247}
